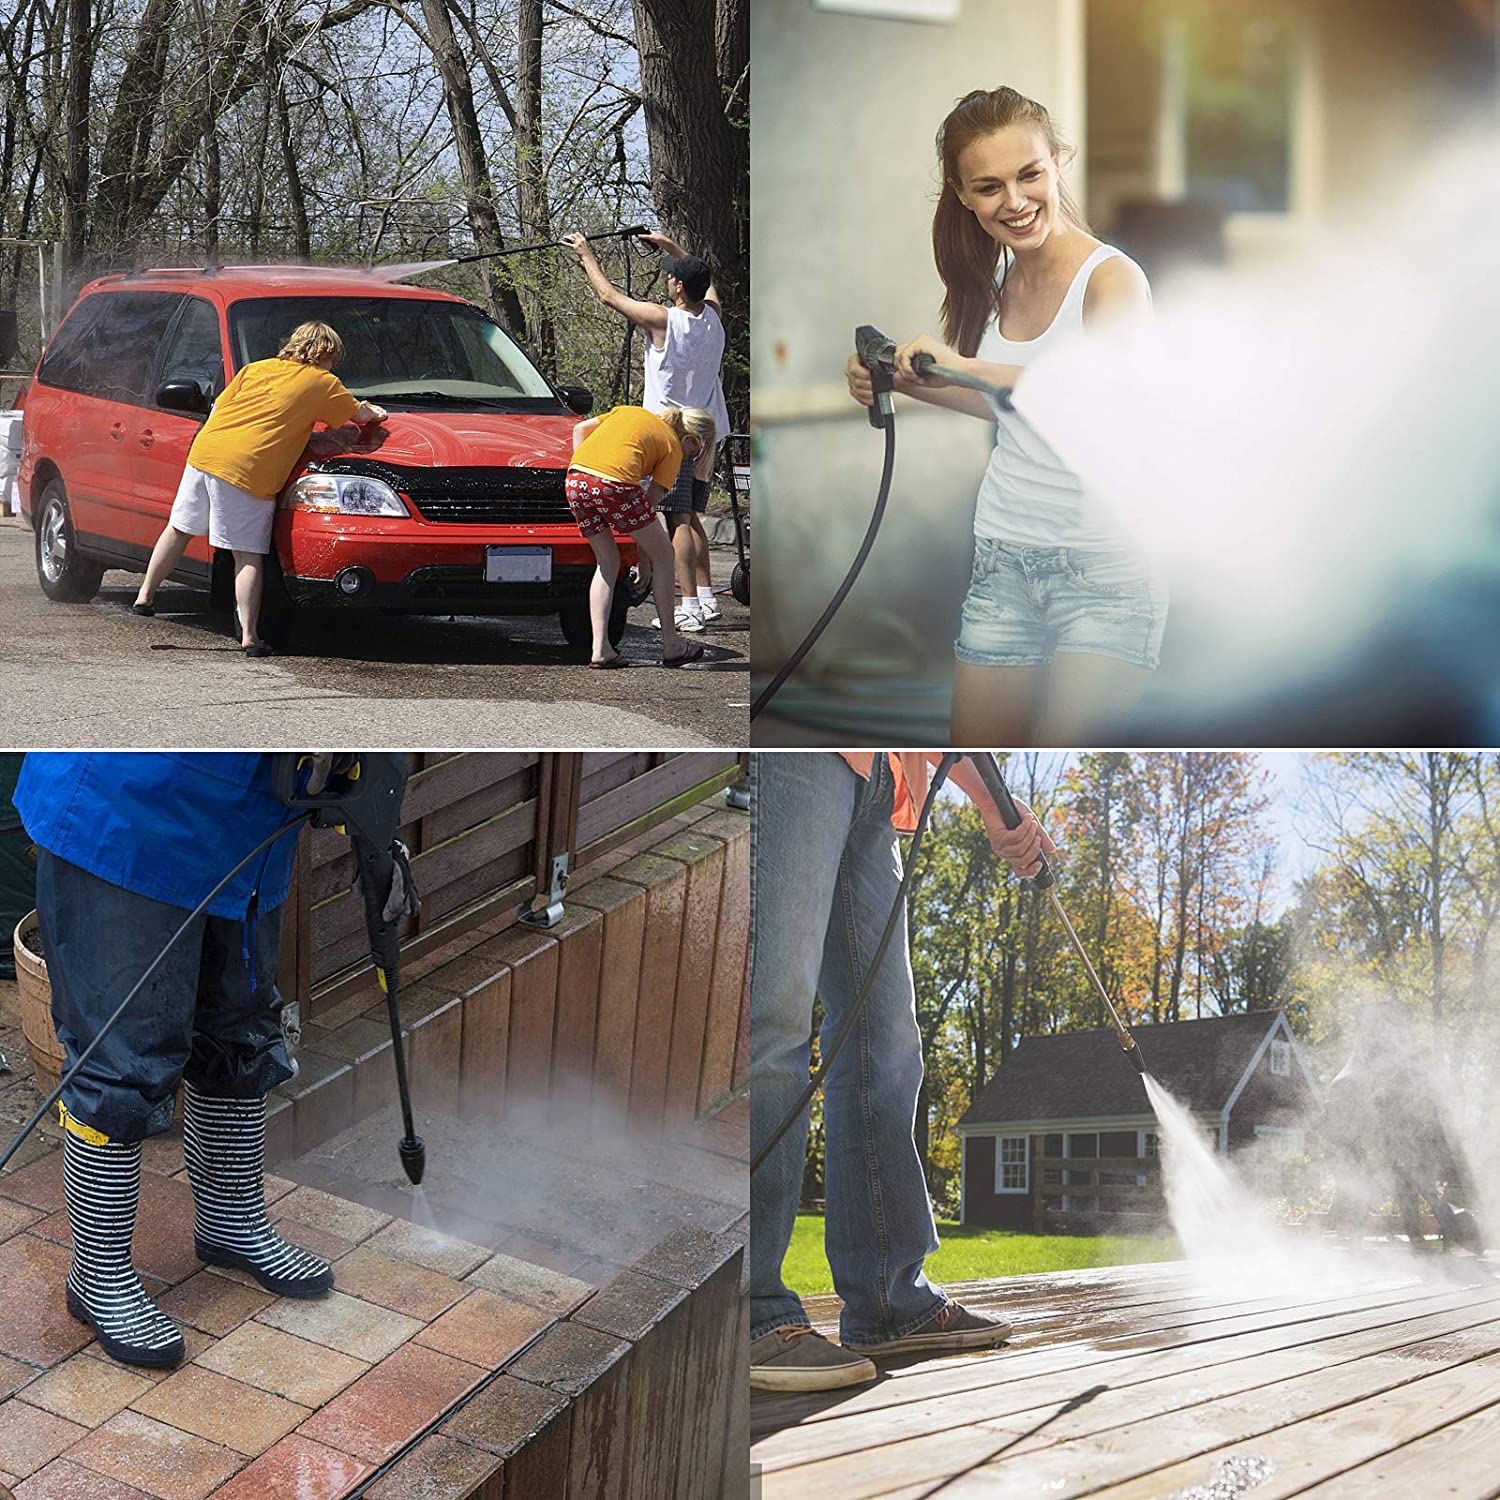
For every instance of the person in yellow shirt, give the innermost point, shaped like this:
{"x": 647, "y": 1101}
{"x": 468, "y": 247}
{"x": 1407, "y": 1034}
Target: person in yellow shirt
{"x": 241, "y": 458}
{"x": 624, "y": 463}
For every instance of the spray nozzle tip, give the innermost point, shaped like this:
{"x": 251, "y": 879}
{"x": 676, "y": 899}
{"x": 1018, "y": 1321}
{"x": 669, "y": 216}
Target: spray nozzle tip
{"x": 413, "y": 1158}
{"x": 1134, "y": 1054}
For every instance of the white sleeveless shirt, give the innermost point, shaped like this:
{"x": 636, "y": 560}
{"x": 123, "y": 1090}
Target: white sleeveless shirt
{"x": 1028, "y": 496}
{"x": 685, "y": 370}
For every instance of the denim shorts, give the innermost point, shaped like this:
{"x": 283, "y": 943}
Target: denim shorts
{"x": 1026, "y": 605}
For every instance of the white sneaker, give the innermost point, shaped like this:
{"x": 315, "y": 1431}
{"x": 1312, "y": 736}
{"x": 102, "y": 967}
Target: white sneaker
{"x": 683, "y": 619}
{"x": 710, "y": 612}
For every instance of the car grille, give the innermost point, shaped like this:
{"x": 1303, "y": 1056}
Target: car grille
{"x": 473, "y": 497}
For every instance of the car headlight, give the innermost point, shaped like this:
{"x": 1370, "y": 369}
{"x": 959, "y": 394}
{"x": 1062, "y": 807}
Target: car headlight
{"x": 346, "y": 495}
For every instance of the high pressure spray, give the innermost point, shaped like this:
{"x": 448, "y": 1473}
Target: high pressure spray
{"x": 877, "y": 354}
{"x": 362, "y": 798}
{"x": 1042, "y": 879}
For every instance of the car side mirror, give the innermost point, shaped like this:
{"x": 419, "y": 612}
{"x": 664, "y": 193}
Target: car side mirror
{"x": 183, "y": 395}
{"x": 577, "y": 398}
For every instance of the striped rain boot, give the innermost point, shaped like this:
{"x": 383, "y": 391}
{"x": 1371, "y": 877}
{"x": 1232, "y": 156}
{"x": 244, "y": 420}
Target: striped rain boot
{"x": 102, "y": 1183}
{"x": 224, "y": 1145}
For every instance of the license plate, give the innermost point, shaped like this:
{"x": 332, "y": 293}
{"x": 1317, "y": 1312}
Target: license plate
{"x": 518, "y": 565}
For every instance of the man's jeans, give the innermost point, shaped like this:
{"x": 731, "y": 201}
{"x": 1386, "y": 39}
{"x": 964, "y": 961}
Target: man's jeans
{"x": 824, "y": 870}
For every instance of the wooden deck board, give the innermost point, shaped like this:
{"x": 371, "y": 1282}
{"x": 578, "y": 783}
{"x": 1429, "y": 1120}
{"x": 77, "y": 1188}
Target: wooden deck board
{"x": 1083, "y": 1344}
{"x": 1153, "y": 1387}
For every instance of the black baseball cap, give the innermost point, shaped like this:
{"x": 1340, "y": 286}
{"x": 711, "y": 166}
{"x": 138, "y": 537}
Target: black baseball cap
{"x": 694, "y": 274}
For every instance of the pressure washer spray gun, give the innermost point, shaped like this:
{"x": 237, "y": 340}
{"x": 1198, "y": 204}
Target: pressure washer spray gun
{"x": 360, "y": 795}
{"x": 1046, "y": 880}
{"x": 877, "y": 354}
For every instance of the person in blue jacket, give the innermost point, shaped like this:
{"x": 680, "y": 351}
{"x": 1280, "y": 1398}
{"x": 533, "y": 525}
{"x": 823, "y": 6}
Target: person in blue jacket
{"x": 127, "y": 845}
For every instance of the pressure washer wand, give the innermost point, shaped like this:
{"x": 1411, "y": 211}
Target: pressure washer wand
{"x": 1046, "y": 880}
{"x": 363, "y": 801}
{"x": 385, "y": 884}
{"x": 614, "y": 234}
{"x": 633, "y": 232}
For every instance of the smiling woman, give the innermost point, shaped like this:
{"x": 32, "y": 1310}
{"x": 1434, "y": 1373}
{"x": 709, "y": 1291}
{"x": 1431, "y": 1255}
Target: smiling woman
{"x": 1064, "y": 618}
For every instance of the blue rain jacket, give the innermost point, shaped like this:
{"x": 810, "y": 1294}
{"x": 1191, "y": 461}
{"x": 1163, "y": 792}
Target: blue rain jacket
{"x": 168, "y": 826}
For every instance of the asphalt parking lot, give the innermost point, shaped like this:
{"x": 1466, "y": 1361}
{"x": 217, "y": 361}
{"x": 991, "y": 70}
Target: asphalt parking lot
{"x": 95, "y": 675}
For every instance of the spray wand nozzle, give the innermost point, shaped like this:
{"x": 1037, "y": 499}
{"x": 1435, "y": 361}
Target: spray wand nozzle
{"x": 1045, "y": 879}
{"x": 413, "y": 1152}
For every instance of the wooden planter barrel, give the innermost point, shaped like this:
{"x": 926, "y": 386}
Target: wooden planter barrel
{"x": 36, "y": 1005}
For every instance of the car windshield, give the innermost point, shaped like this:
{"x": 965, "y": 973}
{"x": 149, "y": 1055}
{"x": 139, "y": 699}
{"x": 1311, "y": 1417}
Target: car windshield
{"x": 416, "y": 349}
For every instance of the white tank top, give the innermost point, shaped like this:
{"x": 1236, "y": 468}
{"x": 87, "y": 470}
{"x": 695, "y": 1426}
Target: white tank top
{"x": 685, "y": 370}
{"x": 1028, "y": 496}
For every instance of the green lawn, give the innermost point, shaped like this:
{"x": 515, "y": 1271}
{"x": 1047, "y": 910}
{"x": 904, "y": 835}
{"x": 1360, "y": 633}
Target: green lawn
{"x": 970, "y": 1254}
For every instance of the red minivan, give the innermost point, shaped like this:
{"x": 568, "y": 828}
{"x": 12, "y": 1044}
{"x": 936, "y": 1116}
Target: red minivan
{"x": 455, "y": 505}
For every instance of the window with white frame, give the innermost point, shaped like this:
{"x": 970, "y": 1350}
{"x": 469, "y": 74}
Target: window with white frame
{"x": 1282, "y": 1140}
{"x": 1281, "y": 1058}
{"x": 1013, "y": 1164}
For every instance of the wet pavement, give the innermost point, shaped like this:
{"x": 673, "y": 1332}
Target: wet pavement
{"x": 93, "y": 674}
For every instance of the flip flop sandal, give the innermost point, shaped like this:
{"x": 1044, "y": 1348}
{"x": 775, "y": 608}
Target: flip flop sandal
{"x": 694, "y": 652}
{"x": 609, "y": 664}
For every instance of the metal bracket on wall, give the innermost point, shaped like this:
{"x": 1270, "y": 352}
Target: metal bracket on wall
{"x": 291, "y": 1026}
{"x": 547, "y": 910}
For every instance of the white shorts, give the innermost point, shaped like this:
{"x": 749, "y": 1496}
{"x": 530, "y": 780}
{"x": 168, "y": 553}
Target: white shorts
{"x": 232, "y": 518}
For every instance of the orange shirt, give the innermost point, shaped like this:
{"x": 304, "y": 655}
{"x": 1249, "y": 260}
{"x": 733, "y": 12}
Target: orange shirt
{"x": 263, "y": 419}
{"x": 912, "y": 772}
{"x": 631, "y": 444}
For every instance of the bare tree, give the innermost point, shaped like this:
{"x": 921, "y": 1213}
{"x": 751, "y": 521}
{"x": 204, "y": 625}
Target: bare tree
{"x": 695, "y": 61}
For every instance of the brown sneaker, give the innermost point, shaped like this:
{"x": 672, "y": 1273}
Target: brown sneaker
{"x": 950, "y": 1330}
{"x": 797, "y": 1359}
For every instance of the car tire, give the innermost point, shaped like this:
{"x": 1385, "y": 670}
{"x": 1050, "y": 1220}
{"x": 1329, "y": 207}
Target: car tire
{"x": 65, "y": 573}
{"x": 578, "y": 629}
{"x": 739, "y": 583}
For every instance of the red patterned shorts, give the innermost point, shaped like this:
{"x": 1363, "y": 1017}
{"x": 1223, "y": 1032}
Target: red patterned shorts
{"x": 607, "y": 504}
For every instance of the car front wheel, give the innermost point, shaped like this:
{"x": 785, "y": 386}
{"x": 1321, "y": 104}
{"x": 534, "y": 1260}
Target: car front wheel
{"x": 65, "y": 573}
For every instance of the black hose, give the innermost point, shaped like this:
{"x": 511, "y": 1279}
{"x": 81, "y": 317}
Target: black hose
{"x": 898, "y": 906}
{"x": 792, "y": 662}
{"x": 156, "y": 962}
